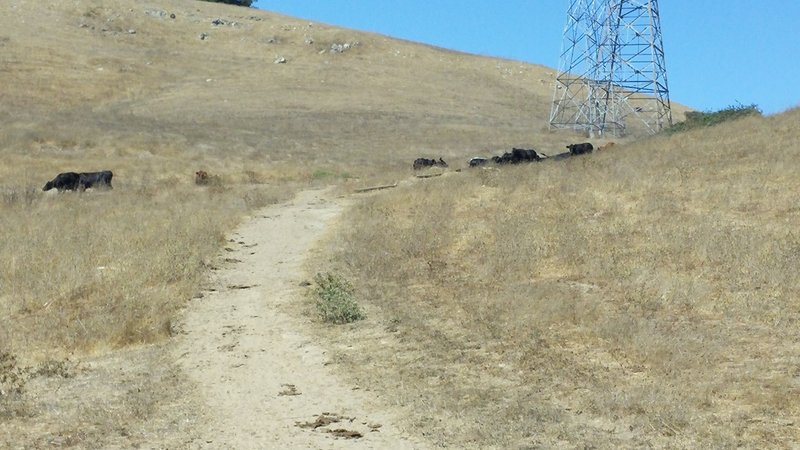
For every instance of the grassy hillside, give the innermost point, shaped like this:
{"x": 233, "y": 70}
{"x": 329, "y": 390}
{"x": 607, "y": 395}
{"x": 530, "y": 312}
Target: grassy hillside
{"x": 106, "y": 84}
{"x": 644, "y": 296}
{"x": 112, "y": 81}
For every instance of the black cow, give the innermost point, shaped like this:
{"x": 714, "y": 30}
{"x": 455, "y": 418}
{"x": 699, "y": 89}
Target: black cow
{"x": 523, "y": 155}
{"x": 505, "y": 158}
{"x": 419, "y": 163}
{"x": 580, "y": 149}
{"x": 96, "y": 180}
{"x": 477, "y": 161}
{"x": 67, "y": 181}
{"x": 516, "y": 156}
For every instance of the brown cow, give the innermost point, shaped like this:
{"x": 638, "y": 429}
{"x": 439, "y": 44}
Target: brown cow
{"x": 606, "y": 146}
{"x": 201, "y": 177}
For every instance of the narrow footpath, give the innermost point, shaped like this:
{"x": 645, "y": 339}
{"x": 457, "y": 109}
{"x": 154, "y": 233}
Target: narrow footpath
{"x": 262, "y": 379}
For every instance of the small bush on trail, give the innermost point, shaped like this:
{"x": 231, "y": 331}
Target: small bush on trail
{"x": 335, "y": 299}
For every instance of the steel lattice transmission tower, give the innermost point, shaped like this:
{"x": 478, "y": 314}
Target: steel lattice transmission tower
{"x": 612, "y": 68}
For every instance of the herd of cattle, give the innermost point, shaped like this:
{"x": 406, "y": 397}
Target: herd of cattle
{"x": 515, "y": 156}
{"x": 74, "y": 181}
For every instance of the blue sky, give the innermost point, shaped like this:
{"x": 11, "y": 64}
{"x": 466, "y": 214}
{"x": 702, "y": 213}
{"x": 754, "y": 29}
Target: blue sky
{"x": 717, "y": 53}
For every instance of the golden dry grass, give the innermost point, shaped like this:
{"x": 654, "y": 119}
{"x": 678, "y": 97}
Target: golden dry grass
{"x": 103, "y": 84}
{"x": 646, "y": 296}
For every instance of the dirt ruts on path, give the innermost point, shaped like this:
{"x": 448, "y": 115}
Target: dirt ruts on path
{"x": 263, "y": 382}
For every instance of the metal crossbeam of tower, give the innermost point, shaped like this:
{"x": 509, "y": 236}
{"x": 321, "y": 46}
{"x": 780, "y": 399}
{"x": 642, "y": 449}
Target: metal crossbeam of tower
{"x": 611, "y": 68}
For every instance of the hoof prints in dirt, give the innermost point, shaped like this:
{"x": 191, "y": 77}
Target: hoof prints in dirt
{"x": 231, "y": 332}
{"x": 323, "y": 420}
{"x": 242, "y": 243}
{"x": 347, "y": 434}
{"x": 289, "y": 389}
{"x": 326, "y": 419}
{"x": 228, "y": 347}
{"x": 241, "y": 286}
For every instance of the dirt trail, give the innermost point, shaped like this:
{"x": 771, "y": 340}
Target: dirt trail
{"x": 259, "y": 374}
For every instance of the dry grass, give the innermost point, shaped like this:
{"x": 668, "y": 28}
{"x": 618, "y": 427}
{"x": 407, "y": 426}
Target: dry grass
{"x": 104, "y": 84}
{"x": 647, "y": 296}
{"x": 93, "y": 271}
{"x": 101, "y": 270}
{"x": 104, "y": 268}
{"x": 612, "y": 301}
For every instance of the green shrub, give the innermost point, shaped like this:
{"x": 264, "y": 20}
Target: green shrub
{"x": 325, "y": 173}
{"x": 233, "y": 2}
{"x": 322, "y": 173}
{"x": 698, "y": 119}
{"x": 335, "y": 299}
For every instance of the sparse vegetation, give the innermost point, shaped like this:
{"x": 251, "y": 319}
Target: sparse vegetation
{"x": 321, "y": 174}
{"x": 641, "y": 297}
{"x": 698, "y": 119}
{"x": 335, "y": 299}
{"x": 646, "y": 296}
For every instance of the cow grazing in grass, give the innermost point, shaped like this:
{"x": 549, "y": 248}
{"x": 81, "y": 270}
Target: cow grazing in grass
{"x": 517, "y": 156}
{"x": 420, "y": 163}
{"x": 580, "y": 149}
{"x": 201, "y": 177}
{"x": 505, "y": 158}
{"x": 98, "y": 180}
{"x": 523, "y": 155}
{"x": 67, "y": 181}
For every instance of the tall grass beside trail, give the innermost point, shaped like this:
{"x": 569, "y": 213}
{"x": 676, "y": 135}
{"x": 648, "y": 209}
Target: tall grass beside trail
{"x": 104, "y": 269}
{"x": 100, "y": 268}
{"x": 645, "y": 296}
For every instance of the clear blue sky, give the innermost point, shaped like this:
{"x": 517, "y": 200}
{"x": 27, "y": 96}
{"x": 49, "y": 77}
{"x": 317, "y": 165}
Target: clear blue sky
{"x": 718, "y": 53}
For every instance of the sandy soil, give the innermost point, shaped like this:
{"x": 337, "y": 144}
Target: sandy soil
{"x": 262, "y": 381}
